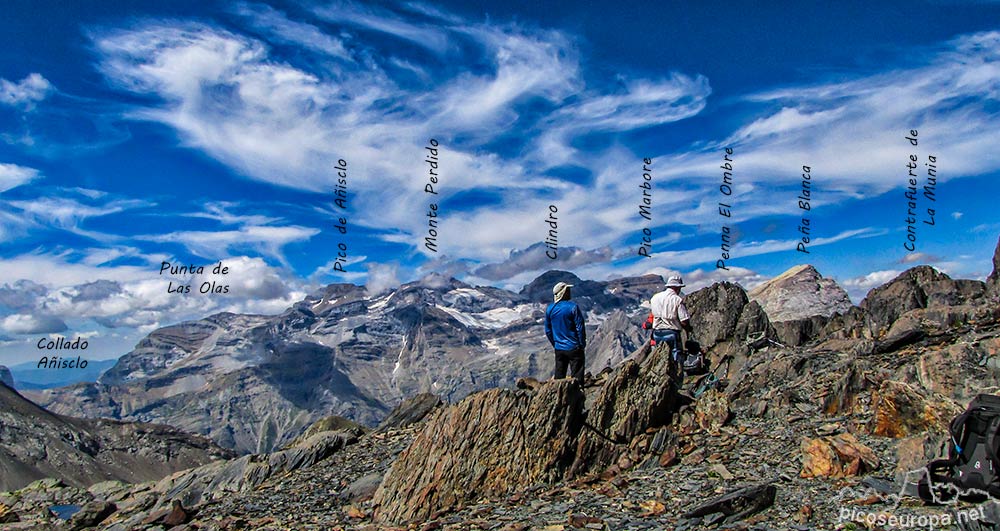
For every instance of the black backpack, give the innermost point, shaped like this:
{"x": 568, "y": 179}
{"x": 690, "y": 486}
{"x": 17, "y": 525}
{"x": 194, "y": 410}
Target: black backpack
{"x": 694, "y": 361}
{"x": 972, "y": 470}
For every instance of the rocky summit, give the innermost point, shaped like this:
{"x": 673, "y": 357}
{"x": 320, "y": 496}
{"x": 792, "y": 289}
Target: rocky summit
{"x": 800, "y": 293}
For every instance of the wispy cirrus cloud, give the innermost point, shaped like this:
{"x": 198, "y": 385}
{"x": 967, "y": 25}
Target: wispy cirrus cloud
{"x": 288, "y": 123}
{"x": 69, "y": 214}
{"x": 12, "y": 176}
{"x": 283, "y": 29}
{"x": 852, "y": 130}
{"x": 266, "y": 240}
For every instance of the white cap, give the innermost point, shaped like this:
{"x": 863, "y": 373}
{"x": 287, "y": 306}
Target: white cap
{"x": 675, "y": 282}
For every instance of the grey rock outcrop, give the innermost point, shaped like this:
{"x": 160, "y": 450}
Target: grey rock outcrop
{"x": 411, "y": 411}
{"x": 221, "y": 479}
{"x": 800, "y": 293}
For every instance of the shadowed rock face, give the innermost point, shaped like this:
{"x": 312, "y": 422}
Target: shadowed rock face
{"x": 916, "y": 288}
{"x": 5, "y": 377}
{"x": 800, "y": 293}
{"x": 36, "y": 444}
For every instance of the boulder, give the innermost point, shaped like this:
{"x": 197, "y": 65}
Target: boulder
{"x": 726, "y": 323}
{"x": 799, "y": 331}
{"x": 837, "y": 456}
{"x": 959, "y": 371}
{"x": 913, "y": 453}
{"x": 411, "y": 411}
{"x": 737, "y": 504}
{"x": 486, "y": 445}
{"x": 900, "y": 410}
{"x": 715, "y": 310}
{"x": 332, "y": 423}
{"x": 711, "y": 411}
{"x": 92, "y": 514}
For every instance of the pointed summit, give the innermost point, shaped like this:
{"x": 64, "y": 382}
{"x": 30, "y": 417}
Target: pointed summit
{"x": 800, "y": 293}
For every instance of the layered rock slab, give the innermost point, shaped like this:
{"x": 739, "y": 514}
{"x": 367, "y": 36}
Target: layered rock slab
{"x": 486, "y": 445}
{"x": 634, "y": 398}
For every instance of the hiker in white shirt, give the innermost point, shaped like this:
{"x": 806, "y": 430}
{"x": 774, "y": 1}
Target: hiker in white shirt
{"x": 670, "y": 316}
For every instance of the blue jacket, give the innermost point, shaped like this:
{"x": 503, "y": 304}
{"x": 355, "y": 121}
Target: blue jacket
{"x": 564, "y": 326}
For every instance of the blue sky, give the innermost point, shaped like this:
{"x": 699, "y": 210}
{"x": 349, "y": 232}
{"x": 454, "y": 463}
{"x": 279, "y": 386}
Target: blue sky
{"x": 198, "y": 132}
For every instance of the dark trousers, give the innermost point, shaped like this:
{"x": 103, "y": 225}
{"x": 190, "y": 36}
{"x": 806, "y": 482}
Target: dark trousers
{"x": 573, "y": 359}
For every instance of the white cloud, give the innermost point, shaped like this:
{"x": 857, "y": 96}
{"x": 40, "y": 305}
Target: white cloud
{"x": 288, "y": 31}
{"x": 381, "y": 278}
{"x": 32, "y": 324}
{"x": 12, "y": 176}
{"x": 919, "y": 258}
{"x": 851, "y": 133}
{"x": 266, "y": 240}
{"x": 859, "y": 287}
{"x": 288, "y": 124}
{"x": 536, "y": 259}
{"x": 53, "y": 292}
{"x": 24, "y": 93}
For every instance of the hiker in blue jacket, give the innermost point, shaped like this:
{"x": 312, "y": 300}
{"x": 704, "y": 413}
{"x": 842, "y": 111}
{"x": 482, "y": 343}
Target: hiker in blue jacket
{"x": 566, "y": 330}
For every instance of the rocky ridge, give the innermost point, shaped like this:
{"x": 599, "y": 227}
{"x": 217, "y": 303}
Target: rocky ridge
{"x": 5, "y": 377}
{"x": 36, "y": 444}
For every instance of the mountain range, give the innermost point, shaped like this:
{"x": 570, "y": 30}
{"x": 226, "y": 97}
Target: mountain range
{"x": 252, "y": 383}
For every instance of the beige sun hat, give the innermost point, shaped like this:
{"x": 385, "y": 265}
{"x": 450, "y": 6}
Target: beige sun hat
{"x": 675, "y": 282}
